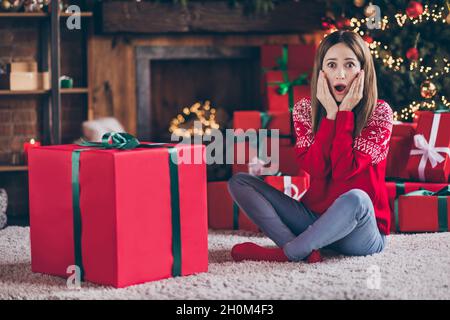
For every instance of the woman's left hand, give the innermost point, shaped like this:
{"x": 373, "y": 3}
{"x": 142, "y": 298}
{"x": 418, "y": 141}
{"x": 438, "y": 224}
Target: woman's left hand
{"x": 355, "y": 94}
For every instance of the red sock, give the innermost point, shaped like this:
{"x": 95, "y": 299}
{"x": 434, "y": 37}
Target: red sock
{"x": 314, "y": 257}
{"x": 252, "y": 251}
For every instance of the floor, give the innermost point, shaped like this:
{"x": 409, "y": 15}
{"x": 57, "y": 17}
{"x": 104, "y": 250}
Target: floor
{"x": 411, "y": 267}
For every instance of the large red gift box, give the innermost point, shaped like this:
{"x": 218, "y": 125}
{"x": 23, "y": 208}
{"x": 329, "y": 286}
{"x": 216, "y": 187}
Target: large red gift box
{"x": 430, "y": 156}
{"x": 285, "y": 100}
{"x": 397, "y": 188}
{"x": 424, "y": 213}
{"x": 294, "y": 56}
{"x": 223, "y": 212}
{"x": 397, "y": 158}
{"x": 141, "y": 216}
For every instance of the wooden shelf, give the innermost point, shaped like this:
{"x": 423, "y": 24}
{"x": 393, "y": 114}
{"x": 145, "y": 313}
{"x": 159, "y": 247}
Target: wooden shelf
{"x": 24, "y": 92}
{"x": 82, "y": 14}
{"x": 23, "y": 15}
{"x": 40, "y": 14}
{"x": 5, "y": 168}
{"x": 39, "y": 92}
{"x": 74, "y": 91}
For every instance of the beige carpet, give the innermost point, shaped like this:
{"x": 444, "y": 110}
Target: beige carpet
{"x": 411, "y": 267}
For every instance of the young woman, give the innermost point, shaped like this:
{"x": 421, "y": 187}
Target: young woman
{"x": 343, "y": 135}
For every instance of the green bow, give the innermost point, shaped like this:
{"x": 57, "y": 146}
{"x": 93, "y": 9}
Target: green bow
{"x": 285, "y": 86}
{"x": 282, "y": 62}
{"x": 442, "y": 195}
{"x": 125, "y": 141}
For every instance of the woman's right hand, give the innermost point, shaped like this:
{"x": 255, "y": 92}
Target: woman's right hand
{"x": 325, "y": 97}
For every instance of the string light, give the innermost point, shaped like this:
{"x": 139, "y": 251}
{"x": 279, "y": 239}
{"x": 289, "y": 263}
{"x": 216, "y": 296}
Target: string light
{"x": 182, "y": 124}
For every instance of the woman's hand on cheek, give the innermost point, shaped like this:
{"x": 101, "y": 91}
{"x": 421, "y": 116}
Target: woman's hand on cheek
{"x": 325, "y": 97}
{"x": 355, "y": 94}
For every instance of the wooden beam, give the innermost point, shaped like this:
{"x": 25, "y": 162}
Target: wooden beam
{"x": 56, "y": 71}
{"x": 209, "y": 17}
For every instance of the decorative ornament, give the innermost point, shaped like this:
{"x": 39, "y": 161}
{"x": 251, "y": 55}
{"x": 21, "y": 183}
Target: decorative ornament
{"x": 370, "y": 10}
{"x": 11, "y": 5}
{"x": 327, "y": 23}
{"x": 412, "y": 54}
{"x": 428, "y": 89}
{"x": 359, "y": 3}
{"x": 343, "y": 22}
{"x": 448, "y": 19}
{"x": 195, "y": 120}
{"x": 367, "y": 38}
{"x": 414, "y": 9}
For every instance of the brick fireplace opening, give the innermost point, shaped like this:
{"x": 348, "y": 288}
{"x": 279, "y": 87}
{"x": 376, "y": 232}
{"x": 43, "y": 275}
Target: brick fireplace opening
{"x": 170, "y": 78}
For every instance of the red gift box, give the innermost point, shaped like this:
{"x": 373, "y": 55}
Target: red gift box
{"x": 223, "y": 212}
{"x": 397, "y": 158}
{"x": 136, "y": 211}
{"x": 281, "y": 120}
{"x": 424, "y": 213}
{"x": 295, "y": 187}
{"x": 276, "y": 98}
{"x": 404, "y": 129}
{"x": 298, "y": 57}
{"x": 294, "y": 56}
{"x": 430, "y": 156}
{"x": 396, "y": 189}
{"x": 286, "y": 162}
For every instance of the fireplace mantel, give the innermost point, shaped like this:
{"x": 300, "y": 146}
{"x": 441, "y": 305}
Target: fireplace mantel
{"x": 124, "y": 16}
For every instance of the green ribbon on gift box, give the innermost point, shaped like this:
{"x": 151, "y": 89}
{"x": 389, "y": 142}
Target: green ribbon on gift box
{"x": 282, "y": 61}
{"x": 442, "y": 195}
{"x": 235, "y": 216}
{"x": 125, "y": 141}
{"x": 286, "y": 86}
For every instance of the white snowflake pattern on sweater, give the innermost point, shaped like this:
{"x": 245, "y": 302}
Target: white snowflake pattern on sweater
{"x": 374, "y": 137}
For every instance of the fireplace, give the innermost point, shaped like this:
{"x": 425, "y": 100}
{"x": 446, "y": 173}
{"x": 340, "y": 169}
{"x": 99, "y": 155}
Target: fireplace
{"x": 170, "y": 78}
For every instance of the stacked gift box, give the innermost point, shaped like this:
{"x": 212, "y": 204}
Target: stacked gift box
{"x": 418, "y": 170}
{"x": 286, "y": 74}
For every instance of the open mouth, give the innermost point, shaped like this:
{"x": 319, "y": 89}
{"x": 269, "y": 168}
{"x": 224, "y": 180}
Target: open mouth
{"x": 340, "y": 88}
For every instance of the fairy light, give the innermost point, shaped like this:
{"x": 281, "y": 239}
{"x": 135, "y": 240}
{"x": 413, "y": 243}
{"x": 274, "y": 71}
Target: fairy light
{"x": 203, "y": 113}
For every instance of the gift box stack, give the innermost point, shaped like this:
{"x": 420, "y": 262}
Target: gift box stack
{"x": 93, "y": 213}
{"x": 286, "y": 70}
{"x": 417, "y": 173}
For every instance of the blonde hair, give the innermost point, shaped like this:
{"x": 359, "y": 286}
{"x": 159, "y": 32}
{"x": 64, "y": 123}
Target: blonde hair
{"x": 364, "y": 108}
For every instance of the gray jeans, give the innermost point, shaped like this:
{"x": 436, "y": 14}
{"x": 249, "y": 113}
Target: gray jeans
{"x": 348, "y": 226}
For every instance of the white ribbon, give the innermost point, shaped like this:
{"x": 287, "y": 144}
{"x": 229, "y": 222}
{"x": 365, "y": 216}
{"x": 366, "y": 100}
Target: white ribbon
{"x": 256, "y": 166}
{"x": 427, "y": 149}
{"x": 289, "y": 187}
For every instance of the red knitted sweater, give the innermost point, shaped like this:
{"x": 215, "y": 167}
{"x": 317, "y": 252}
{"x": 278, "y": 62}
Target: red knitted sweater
{"x": 337, "y": 162}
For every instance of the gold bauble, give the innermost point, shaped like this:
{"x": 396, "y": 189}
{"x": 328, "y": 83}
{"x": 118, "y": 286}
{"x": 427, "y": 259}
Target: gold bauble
{"x": 6, "y": 5}
{"x": 370, "y": 10}
{"x": 428, "y": 89}
{"x": 359, "y": 3}
{"x": 448, "y": 19}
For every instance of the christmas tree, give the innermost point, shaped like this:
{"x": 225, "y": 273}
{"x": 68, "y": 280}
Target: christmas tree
{"x": 409, "y": 43}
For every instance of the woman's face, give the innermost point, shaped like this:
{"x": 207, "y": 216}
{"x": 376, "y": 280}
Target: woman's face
{"x": 341, "y": 66}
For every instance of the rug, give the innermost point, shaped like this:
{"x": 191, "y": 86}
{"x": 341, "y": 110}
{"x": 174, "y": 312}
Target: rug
{"x": 413, "y": 266}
